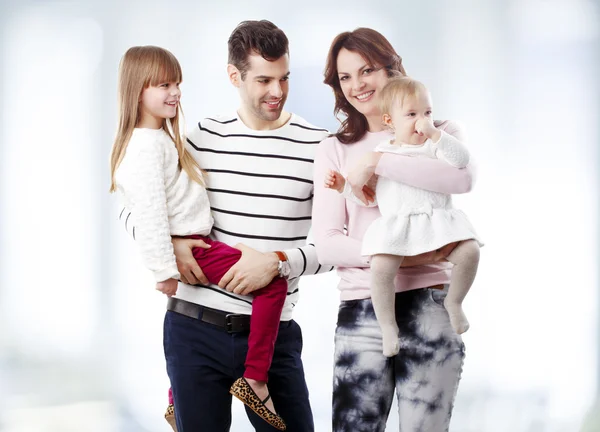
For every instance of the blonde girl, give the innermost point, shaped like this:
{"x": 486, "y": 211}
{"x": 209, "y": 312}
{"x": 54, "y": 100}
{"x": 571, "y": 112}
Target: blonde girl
{"x": 163, "y": 187}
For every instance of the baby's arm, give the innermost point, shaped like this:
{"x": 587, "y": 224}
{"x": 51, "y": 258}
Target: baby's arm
{"x": 451, "y": 150}
{"x": 445, "y": 146}
{"x": 335, "y": 180}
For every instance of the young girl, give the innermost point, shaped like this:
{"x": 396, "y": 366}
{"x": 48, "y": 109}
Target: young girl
{"x": 414, "y": 221}
{"x": 163, "y": 186}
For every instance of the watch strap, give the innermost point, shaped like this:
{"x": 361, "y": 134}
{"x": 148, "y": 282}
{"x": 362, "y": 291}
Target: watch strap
{"x": 282, "y": 256}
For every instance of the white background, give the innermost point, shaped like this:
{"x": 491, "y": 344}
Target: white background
{"x": 80, "y": 322}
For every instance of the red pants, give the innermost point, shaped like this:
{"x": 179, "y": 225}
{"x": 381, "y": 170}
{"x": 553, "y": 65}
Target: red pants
{"x": 266, "y": 305}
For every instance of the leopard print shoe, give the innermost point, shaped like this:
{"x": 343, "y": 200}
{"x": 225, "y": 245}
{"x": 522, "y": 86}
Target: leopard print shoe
{"x": 242, "y": 390}
{"x": 170, "y": 417}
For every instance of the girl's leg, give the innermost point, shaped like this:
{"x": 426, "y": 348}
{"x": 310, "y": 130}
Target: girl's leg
{"x": 264, "y": 326}
{"x": 363, "y": 378}
{"x": 170, "y": 413}
{"x": 264, "y": 323}
{"x": 465, "y": 258}
{"x": 429, "y": 364}
{"x": 383, "y": 271}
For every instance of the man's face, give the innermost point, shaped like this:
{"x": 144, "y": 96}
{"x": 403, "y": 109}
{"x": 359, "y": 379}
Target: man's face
{"x": 265, "y": 88}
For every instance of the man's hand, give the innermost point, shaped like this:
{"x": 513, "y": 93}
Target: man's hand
{"x": 186, "y": 263}
{"x": 253, "y": 271}
{"x": 429, "y": 257}
{"x": 167, "y": 287}
{"x": 360, "y": 175}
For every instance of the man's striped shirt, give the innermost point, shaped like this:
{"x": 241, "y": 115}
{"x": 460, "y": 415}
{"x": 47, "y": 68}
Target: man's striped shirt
{"x": 260, "y": 187}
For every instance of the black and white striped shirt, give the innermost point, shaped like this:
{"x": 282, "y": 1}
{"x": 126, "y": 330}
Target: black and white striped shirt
{"x": 260, "y": 187}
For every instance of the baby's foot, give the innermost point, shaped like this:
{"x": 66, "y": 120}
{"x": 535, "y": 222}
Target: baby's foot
{"x": 391, "y": 345}
{"x": 262, "y": 391}
{"x": 458, "y": 319}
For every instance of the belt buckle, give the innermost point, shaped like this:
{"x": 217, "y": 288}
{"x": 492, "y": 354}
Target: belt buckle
{"x": 228, "y": 323}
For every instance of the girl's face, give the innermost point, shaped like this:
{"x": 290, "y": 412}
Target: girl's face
{"x": 158, "y": 103}
{"x": 361, "y": 83}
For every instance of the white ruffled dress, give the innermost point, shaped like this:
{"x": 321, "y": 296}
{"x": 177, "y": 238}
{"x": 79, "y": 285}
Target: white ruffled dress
{"x": 413, "y": 220}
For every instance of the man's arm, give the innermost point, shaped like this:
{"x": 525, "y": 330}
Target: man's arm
{"x": 255, "y": 269}
{"x": 304, "y": 261}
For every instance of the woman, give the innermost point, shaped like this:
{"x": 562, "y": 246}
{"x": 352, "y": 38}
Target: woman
{"x": 426, "y": 371}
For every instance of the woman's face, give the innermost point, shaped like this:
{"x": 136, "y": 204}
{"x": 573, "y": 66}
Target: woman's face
{"x": 361, "y": 82}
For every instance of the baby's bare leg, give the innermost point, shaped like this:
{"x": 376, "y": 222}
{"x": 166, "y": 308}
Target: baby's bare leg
{"x": 465, "y": 258}
{"x": 383, "y": 271}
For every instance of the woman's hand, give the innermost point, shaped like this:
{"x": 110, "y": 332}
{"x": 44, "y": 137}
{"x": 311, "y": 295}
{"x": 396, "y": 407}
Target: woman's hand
{"x": 432, "y": 257}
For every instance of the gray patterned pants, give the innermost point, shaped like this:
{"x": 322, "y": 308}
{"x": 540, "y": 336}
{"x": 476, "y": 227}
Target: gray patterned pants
{"x": 425, "y": 373}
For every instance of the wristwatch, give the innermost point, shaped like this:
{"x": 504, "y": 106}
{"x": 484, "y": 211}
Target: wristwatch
{"x": 283, "y": 267}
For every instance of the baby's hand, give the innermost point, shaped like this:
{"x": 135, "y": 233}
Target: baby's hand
{"x": 168, "y": 287}
{"x": 334, "y": 180}
{"x": 425, "y": 127}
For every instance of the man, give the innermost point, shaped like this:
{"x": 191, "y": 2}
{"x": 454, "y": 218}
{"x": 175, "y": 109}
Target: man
{"x": 259, "y": 162}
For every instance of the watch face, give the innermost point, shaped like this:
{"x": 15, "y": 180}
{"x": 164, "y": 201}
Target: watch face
{"x": 285, "y": 268}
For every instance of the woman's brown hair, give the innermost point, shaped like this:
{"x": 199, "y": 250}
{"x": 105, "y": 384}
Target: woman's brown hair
{"x": 378, "y": 52}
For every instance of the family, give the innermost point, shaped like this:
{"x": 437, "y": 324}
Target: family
{"x": 222, "y": 213}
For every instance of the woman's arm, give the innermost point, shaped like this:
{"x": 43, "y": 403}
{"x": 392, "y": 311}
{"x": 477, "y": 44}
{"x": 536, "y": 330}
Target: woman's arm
{"x": 430, "y": 174}
{"x": 349, "y": 195}
{"x": 333, "y": 246}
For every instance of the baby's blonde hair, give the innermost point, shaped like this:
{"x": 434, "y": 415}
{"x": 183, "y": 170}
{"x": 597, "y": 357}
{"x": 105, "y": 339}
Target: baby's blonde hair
{"x": 397, "y": 90}
{"x": 140, "y": 68}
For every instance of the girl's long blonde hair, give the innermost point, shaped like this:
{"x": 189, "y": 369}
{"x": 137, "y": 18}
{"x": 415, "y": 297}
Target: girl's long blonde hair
{"x": 141, "y": 67}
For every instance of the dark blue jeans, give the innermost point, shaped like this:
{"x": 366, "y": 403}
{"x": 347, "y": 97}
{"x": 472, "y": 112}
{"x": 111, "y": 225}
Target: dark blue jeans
{"x": 203, "y": 361}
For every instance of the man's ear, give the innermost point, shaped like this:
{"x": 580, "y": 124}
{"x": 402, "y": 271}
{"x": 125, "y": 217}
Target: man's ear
{"x": 235, "y": 76}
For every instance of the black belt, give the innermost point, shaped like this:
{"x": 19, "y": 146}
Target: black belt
{"x": 232, "y": 323}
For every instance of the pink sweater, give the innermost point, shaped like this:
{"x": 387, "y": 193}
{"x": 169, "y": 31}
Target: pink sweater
{"x": 332, "y": 212}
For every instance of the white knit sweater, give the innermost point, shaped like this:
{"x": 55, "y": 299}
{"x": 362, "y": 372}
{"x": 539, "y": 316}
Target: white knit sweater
{"x": 164, "y": 200}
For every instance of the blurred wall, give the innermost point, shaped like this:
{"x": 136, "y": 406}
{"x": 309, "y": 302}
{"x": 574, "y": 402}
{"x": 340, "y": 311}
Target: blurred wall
{"x": 80, "y": 322}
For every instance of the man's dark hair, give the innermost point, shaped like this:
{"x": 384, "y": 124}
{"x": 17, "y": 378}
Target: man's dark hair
{"x": 259, "y": 37}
